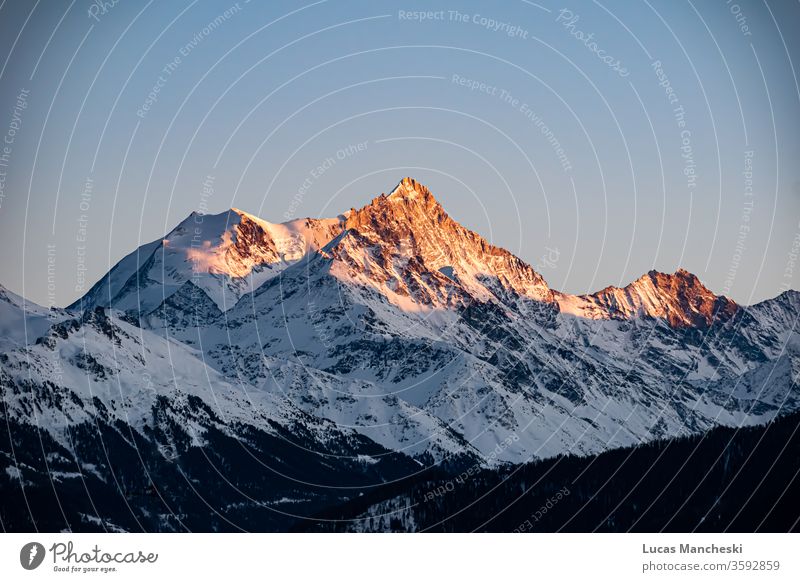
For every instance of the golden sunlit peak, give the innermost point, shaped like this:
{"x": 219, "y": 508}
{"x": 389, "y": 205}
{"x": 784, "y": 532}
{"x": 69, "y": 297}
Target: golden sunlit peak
{"x": 408, "y": 188}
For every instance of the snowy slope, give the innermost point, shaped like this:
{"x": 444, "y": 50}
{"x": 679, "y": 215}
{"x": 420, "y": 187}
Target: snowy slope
{"x": 22, "y": 322}
{"x": 412, "y": 304}
{"x": 98, "y": 367}
{"x": 224, "y": 255}
{"x": 395, "y": 323}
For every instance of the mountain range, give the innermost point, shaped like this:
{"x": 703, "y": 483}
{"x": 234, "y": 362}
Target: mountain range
{"x": 238, "y": 373}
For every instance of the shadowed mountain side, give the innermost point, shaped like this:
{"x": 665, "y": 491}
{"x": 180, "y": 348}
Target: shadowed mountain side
{"x": 743, "y": 480}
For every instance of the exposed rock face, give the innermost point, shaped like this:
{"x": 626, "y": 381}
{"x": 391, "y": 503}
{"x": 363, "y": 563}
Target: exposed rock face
{"x": 680, "y": 299}
{"x": 407, "y": 244}
{"x": 225, "y": 255}
{"x": 244, "y": 246}
{"x": 402, "y": 245}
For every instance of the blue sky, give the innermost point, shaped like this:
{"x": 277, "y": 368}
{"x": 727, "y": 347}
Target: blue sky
{"x": 611, "y": 137}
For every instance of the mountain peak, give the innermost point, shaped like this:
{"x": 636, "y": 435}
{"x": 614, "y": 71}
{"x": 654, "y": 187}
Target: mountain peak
{"x": 681, "y": 281}
{"x": 409, "y": 198}
{"x": 409, "y": 189}
{"x": 226, "y": 218}
{"x": 408, "y": 204}
{"x": 680, "y": 274}
{"x": 407, "y": 245}
{"x": 679, "y": 298}
{"x": 225, "y": 254}
{"x": 246, "y": 215}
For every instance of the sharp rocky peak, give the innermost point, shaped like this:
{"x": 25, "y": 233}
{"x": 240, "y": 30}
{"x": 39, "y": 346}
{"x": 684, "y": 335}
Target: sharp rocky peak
{"x": 407, "y": 244}
{"x": 409, "y": 189}
{"x": 680, "y": 299}
{"x": 408, "y": 201}
{"x": 681, "y": 277}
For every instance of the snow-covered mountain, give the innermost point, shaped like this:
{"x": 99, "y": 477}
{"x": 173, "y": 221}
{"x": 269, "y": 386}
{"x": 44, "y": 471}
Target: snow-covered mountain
{"x": 21, "y": 321}
{"x": 224, "y": 255}
{"x": 390, "y": 331}
{"x": 679, "y": 299}
{"x": 407, "y": 247}
{"x": 129, "y": 430}
{"x": 408, "y": 303}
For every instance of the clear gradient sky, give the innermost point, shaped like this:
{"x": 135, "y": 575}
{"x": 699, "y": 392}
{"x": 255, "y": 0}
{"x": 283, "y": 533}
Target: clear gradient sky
{"x": 613, "y": 137}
